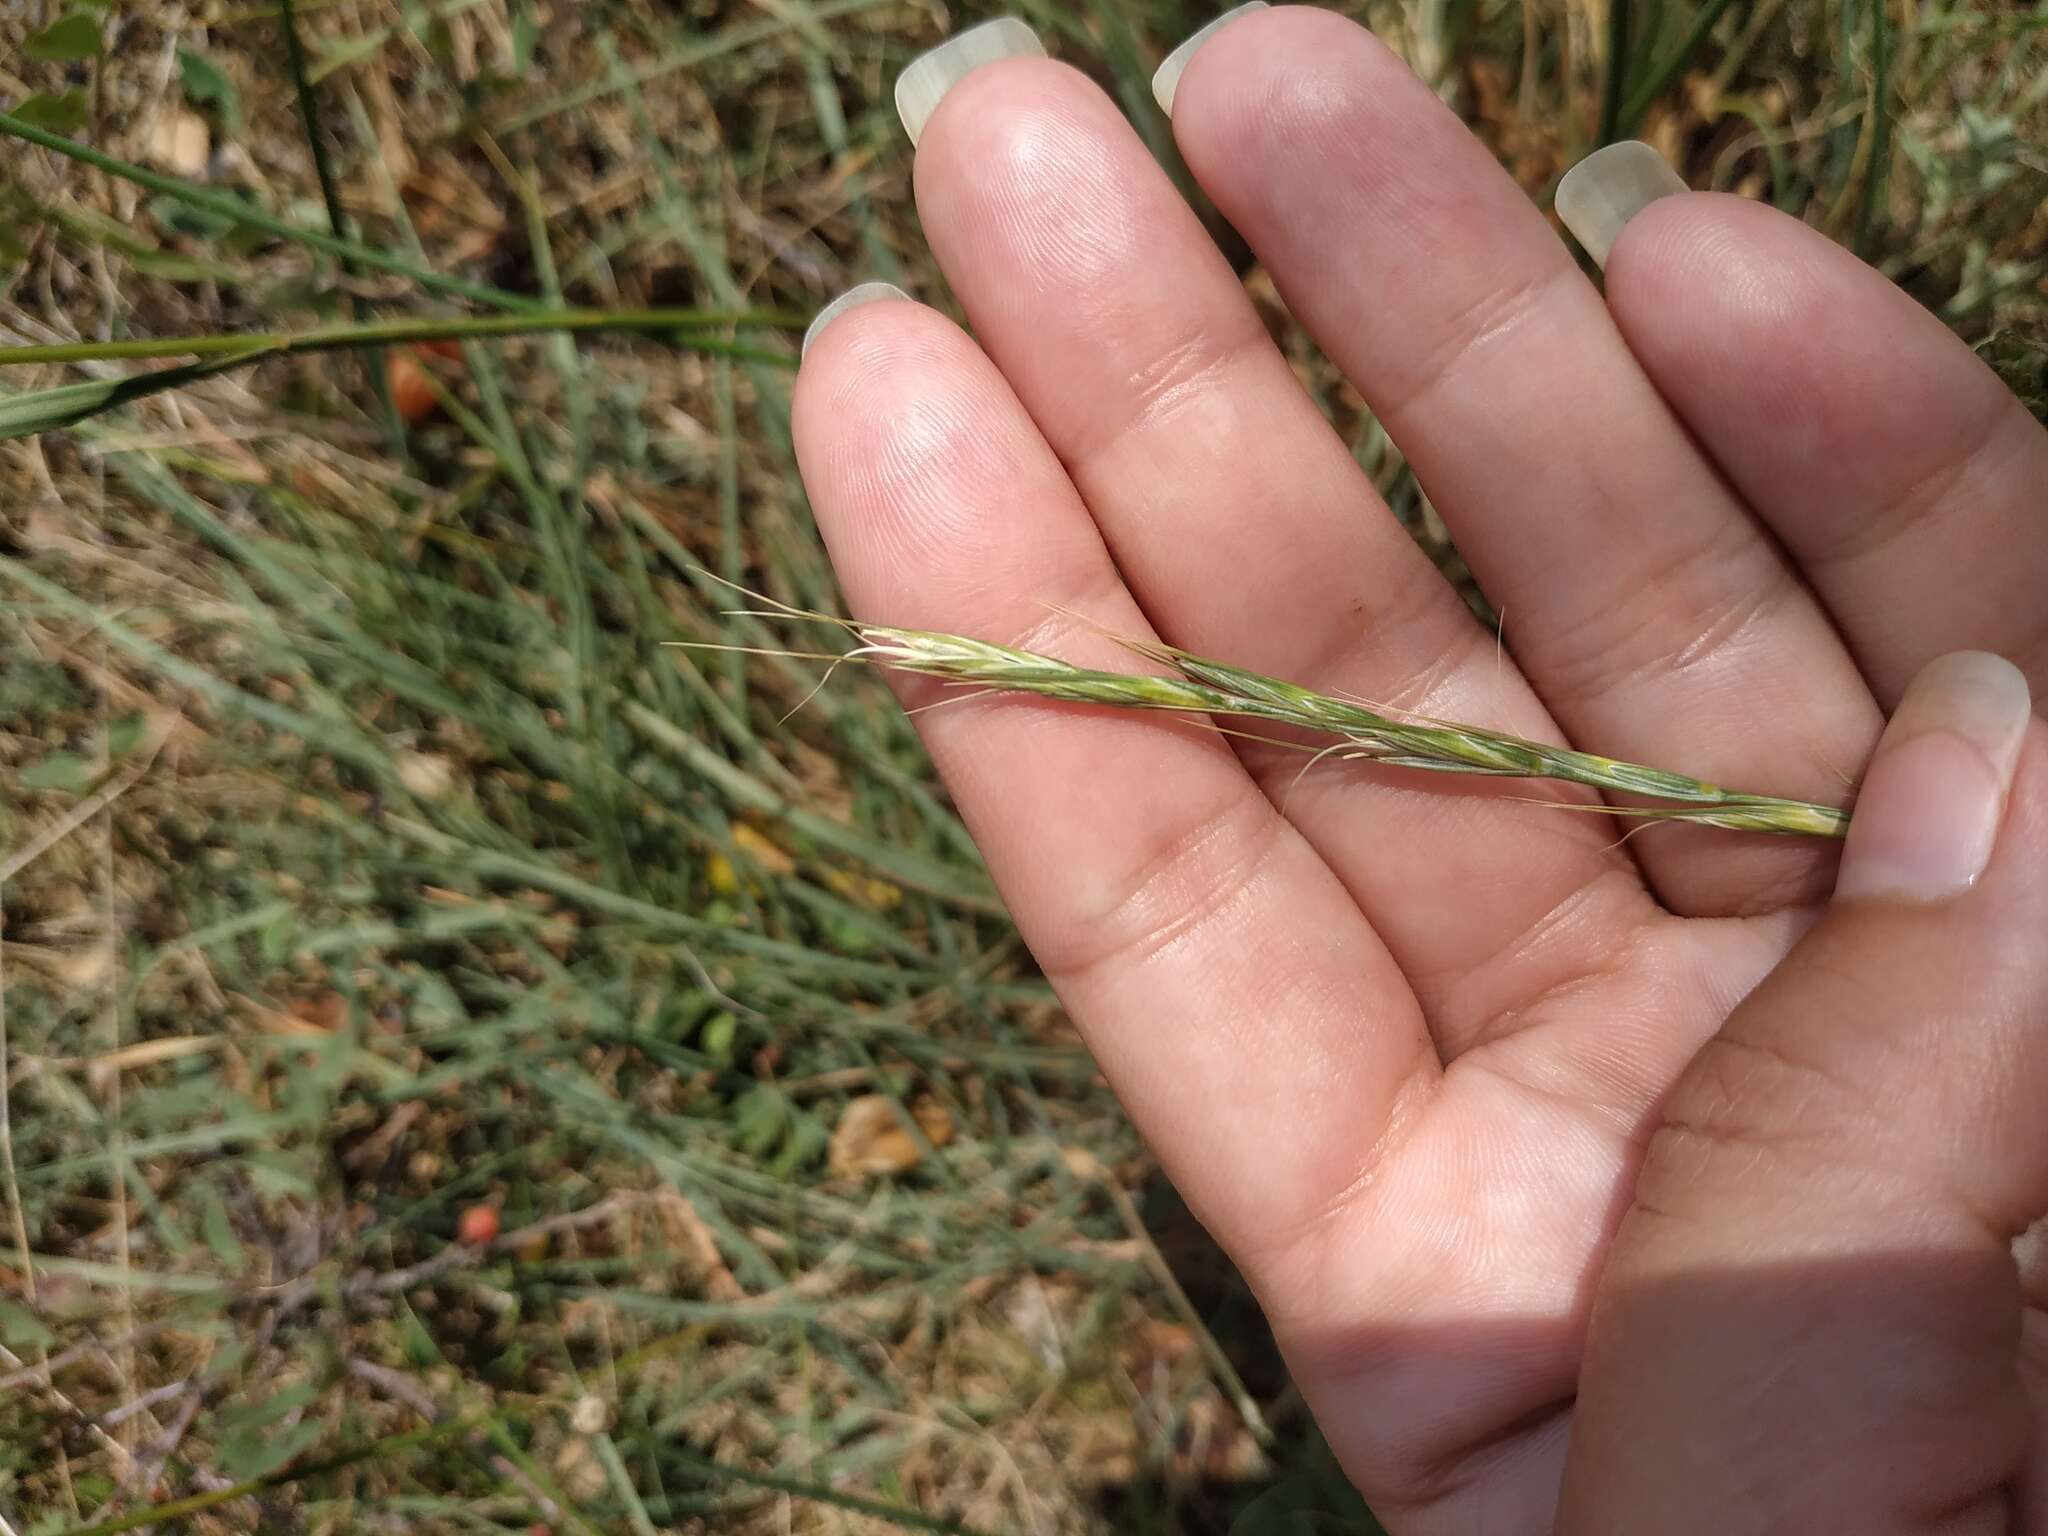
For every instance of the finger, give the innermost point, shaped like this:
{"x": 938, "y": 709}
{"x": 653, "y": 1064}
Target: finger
{"x": 1245, "y": 528}
{"x": 1647, "y": 607}
{"x": 1810, "y": 1316}
{"x": 1245, "y": 1012}
{"x": 1908, "y": 482}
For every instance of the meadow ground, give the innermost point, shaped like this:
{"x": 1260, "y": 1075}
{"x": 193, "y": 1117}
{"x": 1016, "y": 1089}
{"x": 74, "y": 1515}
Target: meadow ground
{"x": 465, "y": 1066}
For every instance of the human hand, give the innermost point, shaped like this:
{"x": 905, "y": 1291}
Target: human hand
{"x": 1405, "y": 1046}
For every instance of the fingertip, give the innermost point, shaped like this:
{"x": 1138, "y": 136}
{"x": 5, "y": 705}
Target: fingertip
{"x": 1281, "y": 81}
{"x": 853, "y": 298}
{"x": 870, "y": 372}
{"x": 1749, "y": 291}
{"x": 915, "y": 456}
{"x": 1166, "y": 79}
{"x": 1933, "y": 800}
{"x": 858, "y": 340}
{"x": 1605, "y": 192}
{"x": 934, "y": 76}
{"x": 1030, "y": 162}
{"x": 1705, "y": 244}
{"x": 1845, "y": 413}
{"x": 970, "y": 137}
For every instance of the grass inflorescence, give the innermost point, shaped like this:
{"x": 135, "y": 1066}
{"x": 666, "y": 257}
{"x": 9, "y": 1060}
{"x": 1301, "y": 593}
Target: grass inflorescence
{"x": 1205, "y": 687}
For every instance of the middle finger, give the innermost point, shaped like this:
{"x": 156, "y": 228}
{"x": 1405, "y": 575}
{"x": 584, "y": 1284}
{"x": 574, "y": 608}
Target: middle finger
{"x": 1246, "y": 530}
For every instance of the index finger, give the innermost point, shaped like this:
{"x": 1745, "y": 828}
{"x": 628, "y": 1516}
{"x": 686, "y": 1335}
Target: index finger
{"x": 1246, "y": 1013}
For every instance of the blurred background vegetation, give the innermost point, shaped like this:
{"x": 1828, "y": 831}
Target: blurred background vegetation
{"x": 465, "y": 1066}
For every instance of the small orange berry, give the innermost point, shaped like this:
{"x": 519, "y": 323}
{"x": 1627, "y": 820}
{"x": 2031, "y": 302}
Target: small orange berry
{"x": 412, "y": 393}
{"x": 477, "y": 1225}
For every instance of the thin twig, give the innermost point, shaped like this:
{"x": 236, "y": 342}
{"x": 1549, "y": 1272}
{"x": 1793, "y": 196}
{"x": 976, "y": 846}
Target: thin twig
{"x": 148, "y": 1400}
{"x": 510, "y": 1470}
{"x": 396, "y": 1384}
{"x": 64, "y": 1401}
{"x": 143, "y": 1470}
{"x": 78, "y": 1351}
{"x": 72, "y": 820}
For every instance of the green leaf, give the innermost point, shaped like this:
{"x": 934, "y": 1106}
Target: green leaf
{"x": 225, "y": 1364}
{"x": 177, "y": 269}
{"x": 259, "y": 1412}
{"x": 417, "y": 1343}
{"x": 60, "y": 770}
{"x": 22, "y": 1329}
{"x": 218, "y": 1228}
{"x": 525, "y": 35}
{"x": 252, "y": 1453}
{"x": 758, "y": 1120}
{"x": 124, "y": 734}
{"x": 346, "y": 51}
{"x": 71, "y": 37}
{"x": 59, "y": 114}
{"x": 278, "y": 937}
{"x": 207, "y": 84}
{"x": 180, "y": 217}
{"x": 273, "y": 1175}
{"x": 808, "y": 1138}
{"x": 47, "y": 410}
{"x": 717, "y": 1038}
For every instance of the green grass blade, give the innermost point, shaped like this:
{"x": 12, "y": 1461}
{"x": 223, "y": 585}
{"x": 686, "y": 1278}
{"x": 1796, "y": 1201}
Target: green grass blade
{"x": 1667, "y": 69}
{"x": 47, "y": 410}
{"x": 1614, "y": 82}
{"x": 246, "y": 213}
{"x": 692, "y": 55}
{"x": 905, "y": 1519}
{"x": 1878, "y": 172}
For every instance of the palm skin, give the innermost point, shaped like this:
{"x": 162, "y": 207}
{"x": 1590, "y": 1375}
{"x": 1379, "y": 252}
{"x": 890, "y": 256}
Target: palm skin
{"x": 1400, "y": 1039}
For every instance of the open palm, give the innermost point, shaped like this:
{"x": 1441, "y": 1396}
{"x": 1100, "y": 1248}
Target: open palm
{"x": 1400, "y": 1038}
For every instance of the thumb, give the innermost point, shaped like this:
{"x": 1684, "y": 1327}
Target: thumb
{"x": 1810, "y": 1318}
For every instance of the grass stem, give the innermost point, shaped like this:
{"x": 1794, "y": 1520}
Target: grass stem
{"x": 429, "y": 328}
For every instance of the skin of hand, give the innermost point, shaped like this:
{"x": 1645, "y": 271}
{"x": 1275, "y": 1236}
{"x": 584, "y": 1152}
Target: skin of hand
{"x": 1673, "y": 1184}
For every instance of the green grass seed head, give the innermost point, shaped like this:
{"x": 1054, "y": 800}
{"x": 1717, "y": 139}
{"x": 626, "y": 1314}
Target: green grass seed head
{"x": 1205, "y": 686}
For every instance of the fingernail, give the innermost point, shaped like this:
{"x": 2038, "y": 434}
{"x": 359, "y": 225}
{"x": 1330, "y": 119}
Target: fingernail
{"x": 1608, "y": 188}
{"x": 1167, "y": 80}
{"x": 1928, "y": 813}
{"x": 926, "y": 79}
{"x": 853, "y": 298}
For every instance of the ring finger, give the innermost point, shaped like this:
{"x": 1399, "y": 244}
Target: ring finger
{"x": 1649, "y": 608}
